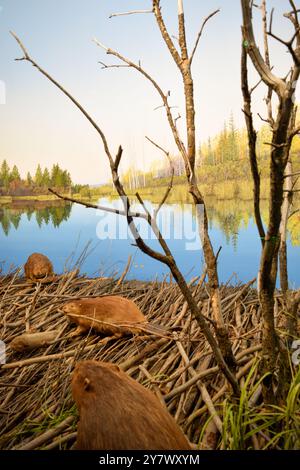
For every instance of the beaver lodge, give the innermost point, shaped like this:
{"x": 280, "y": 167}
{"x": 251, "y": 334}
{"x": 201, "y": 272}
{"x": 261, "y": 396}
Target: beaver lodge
{"x": 36, "y": 407}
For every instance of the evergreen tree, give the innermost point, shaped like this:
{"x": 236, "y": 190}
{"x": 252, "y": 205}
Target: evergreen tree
{"x": 66, "y": 179}
{"x": 4, "y": 174}
{"x": 222, "y": 145}
{"x": 232, "y": 140}
{"x": 15, "y": 175}
{"x": 29, "y": 179}
{"x": 46, "y": 178}
{"x": 210, "y": 153}
{"x": 38, "y": 179}
{"x": 55, "y": 176}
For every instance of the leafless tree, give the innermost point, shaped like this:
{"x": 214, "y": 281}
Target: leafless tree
{"x": 219, "y": 341}
{"x": 283, "y": 131}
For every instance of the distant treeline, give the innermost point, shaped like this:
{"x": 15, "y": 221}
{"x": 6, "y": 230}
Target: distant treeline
{"x": 11, "y": 182}
{"x": 221, "y": 158}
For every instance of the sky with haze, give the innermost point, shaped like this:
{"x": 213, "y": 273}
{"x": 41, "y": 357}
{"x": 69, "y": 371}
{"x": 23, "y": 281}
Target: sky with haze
{"x": 39, "y": 125}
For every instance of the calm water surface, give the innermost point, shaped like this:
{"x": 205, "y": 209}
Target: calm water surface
{"x": 62, "y": 232}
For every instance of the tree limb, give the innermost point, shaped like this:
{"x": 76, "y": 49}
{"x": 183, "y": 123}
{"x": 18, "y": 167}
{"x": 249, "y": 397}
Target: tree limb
{"x": 163, "y": 96}
{"x": 200, "y": 33}
{"x": 166, "y": 37}
{"x": 250, "y": 44}
{"x": 58, "y": 85}
{"x": 97, "y": 206}
{"x": 252, "y": 138}
{"x": 170, "y": 186}
{"x": 133, "y": 12}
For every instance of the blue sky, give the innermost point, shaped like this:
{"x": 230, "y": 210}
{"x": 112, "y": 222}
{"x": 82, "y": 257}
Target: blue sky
{"x": 38, "y": 124}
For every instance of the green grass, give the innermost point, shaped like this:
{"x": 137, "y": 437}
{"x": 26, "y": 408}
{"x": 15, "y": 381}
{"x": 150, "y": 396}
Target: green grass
{"x": 278, "y": 427}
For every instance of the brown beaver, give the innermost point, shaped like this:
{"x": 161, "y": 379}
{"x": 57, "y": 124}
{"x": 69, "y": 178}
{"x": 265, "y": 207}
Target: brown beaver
{"x": 38, "y": 268}
{"x": 118, "y": 413}
{"x": 110, "y": 314}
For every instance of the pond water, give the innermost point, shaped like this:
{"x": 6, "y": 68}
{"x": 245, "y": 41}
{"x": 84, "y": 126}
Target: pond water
{"x": 62, "y": 232}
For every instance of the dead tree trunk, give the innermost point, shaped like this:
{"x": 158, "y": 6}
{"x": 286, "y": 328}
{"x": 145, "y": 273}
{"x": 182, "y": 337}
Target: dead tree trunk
{"x": 273, "y": 356}
{"x": 285, "y": 212}
{"x": 184, "y": 63}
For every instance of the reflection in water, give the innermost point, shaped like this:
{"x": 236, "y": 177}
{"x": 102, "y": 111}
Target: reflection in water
{"x": 31, "y": 227}
{"x": 44, "y": 213}
{"x": 230, "y": 216}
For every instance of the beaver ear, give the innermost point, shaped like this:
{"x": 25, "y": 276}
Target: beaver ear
{"x": 86, "y": 384}
{"x": 115, "y": 368}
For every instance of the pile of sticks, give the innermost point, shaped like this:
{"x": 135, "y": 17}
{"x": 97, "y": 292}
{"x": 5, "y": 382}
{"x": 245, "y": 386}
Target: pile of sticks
{"x": 36, "y": 407}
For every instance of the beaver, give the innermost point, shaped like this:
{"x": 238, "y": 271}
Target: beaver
{"x": 109, "y": 315}
{"x": 38, "y": 268}
{"x": 118, "y": 413}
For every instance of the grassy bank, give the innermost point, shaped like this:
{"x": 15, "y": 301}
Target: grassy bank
{"x": 224, "y": 190}
{"x": 238, "y": 189}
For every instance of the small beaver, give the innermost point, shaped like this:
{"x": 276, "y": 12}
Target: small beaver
{"x": 110, "y": 314}
{"x": 38, "y": 268}
{"x": 118, "y": 413}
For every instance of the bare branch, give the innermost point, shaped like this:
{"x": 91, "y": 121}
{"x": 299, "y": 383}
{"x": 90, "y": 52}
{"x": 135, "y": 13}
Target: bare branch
{"x": 182, "y": 35}
{"x": 177, "y": 118}
{"x": 96, "y": 206}
{"x": 180, "y": 7}
{"x": 26, "y": 55}
{"x": 133, "y": 12}
{"x": 294, "y": 213}
{"x": 200, "y": 33}
{"x": 170, "y": 186}
{"x": 264, "y": 119}
{"x": 259, "y": 63}
{"x": 114, "y": 66}
{"x": 293, "y": 174}
{"x": 293, "y": 17}
{"x": 277, "y": 146}
{"x": 288, "y": 44}
{"x": 252, "y": 138}
{"x": 165, "y": 35}
{"x": 268, "y": 98}
{"x": 86, "y": 114}
{"x": 163, "y": 96}
{"x": 162, "y": 106}
{"x": 295, "y": 131}
{"x": 255, "y": 86}
{"x": 159, "y": 147}
{"x": 118, "y": 158}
